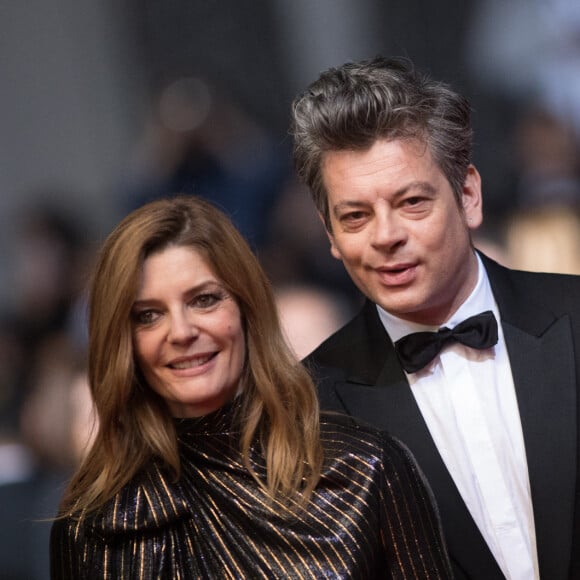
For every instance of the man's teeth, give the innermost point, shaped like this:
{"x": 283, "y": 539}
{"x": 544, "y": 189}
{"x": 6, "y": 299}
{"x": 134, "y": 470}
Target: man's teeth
{"x": 188, "y": 364}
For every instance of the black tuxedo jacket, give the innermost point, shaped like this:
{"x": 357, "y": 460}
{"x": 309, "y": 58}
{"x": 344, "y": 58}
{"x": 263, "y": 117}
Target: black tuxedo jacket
{"x": 358, "y": 373}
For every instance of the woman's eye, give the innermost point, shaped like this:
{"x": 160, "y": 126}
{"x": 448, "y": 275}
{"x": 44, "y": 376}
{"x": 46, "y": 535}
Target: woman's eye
{"x": 145, "y": 317}
{"x": 205, "y": 300}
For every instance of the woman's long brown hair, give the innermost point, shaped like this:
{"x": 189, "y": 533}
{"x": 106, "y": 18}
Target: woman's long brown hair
{"x": 134, "y": 425}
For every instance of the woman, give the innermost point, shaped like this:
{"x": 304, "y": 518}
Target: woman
{"x": 210, "y": 459}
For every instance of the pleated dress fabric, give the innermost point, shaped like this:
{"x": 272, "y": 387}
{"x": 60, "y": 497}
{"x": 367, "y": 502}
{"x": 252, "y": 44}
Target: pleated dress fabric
{"x": 371, "y": 516}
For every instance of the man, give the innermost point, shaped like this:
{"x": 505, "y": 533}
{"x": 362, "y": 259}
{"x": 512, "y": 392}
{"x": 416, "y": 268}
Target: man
{"x": 490, "y": 412}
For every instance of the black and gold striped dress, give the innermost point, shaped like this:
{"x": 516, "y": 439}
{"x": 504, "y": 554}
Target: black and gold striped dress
{"x": 371, "y": 516}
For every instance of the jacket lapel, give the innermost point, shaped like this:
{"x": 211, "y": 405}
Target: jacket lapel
{"x": 543, "y": 363}
{"x": 376, "y": 388}
{"x": 542, "y": 360}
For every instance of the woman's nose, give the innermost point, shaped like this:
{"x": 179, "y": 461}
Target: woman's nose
{"x": 182, "y": 327}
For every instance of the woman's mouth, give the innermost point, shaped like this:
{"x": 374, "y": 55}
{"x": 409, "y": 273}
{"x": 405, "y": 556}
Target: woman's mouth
{"x": 192, "y": 362}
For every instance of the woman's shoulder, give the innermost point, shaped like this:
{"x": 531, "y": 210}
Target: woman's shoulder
{"x": 151, "y": 500}
{"x": 342, "y": 435}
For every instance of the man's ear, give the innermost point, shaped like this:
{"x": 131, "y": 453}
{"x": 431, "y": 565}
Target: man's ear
{"x": 471, "y": 198}
{"x": 333, "y": 249}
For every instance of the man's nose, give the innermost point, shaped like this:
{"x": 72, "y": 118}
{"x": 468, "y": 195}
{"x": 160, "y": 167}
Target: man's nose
{"x": 388, "y": 230}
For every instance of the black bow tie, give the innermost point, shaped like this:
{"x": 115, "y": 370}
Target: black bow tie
{"x": 417, "y": 350}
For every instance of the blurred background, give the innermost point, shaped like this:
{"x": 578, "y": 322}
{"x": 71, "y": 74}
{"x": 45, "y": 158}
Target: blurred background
{"x": 106, "y": 104}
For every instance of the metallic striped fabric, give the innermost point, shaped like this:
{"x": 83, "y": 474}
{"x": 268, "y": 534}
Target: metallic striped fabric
{"x": 370, "y": 517}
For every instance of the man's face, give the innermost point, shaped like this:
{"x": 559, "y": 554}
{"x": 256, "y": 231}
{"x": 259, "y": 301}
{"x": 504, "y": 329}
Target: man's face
{"x": 399, "y": 230}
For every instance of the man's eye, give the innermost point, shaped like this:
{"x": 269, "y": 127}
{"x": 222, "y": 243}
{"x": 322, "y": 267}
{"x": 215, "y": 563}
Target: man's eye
{"x": 353, "y": 216}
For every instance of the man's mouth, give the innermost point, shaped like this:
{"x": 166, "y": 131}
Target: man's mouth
{"x": 397, "y": 274}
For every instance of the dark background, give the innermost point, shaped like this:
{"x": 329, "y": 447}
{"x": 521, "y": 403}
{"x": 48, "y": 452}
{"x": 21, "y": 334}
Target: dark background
{"x": 91, "y": 125}
{"x": 78, "y": 79}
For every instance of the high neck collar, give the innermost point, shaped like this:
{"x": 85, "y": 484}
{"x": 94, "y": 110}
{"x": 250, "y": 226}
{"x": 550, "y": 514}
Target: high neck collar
{"x": 220, "y": 421}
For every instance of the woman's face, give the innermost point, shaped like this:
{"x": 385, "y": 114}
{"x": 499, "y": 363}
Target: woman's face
{"x": 187, "y": 333}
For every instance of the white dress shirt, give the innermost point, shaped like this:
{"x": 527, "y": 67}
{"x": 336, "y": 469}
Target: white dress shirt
{"x": 467, "y": 398}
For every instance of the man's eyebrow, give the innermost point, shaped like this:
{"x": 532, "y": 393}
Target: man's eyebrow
{"x": 421, "y": 186}
{"x": 347, "y": 205}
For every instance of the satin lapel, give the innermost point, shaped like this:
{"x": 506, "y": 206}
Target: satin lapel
{"x": 544, "y": 374}
{"x": 543, "y": 366}
{"x": 388, "y": 403}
